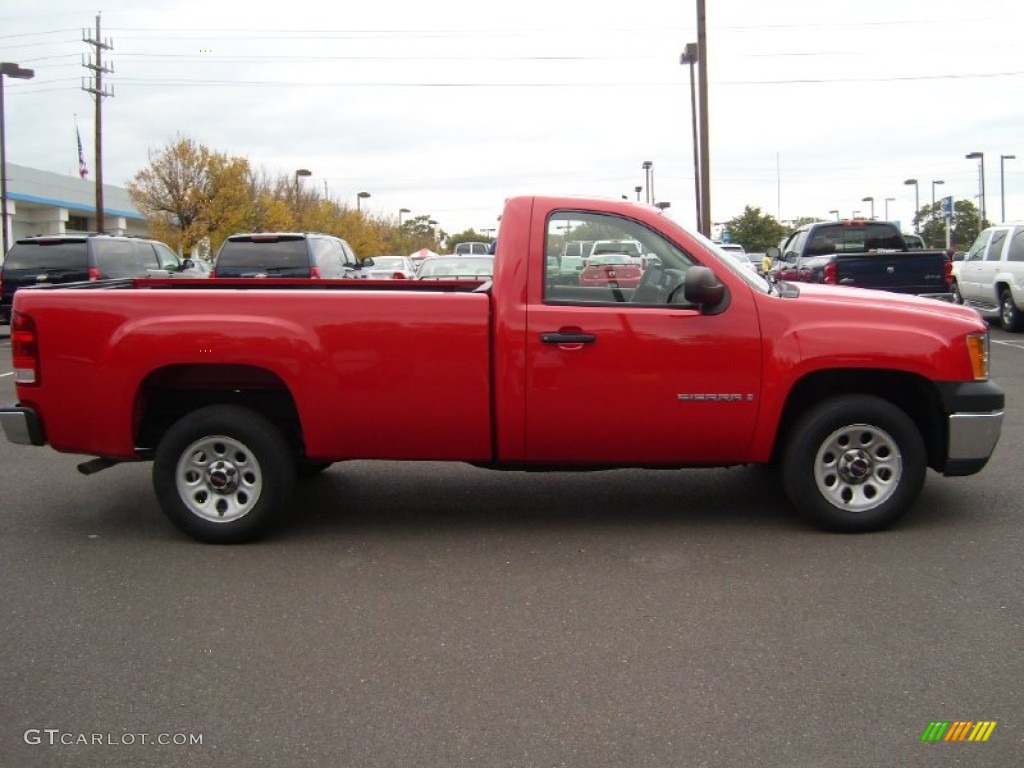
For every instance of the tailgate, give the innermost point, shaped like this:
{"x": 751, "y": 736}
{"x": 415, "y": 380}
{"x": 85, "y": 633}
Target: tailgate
{"x": 902, "y": 272}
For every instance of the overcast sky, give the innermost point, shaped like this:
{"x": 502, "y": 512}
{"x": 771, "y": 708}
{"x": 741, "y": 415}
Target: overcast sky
{"x": 447, "y": 108}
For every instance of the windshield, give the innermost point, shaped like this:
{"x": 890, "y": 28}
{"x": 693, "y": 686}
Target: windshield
{"x": 736, "y": 262}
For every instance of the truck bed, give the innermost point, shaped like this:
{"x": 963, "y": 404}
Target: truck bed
{"x": 376, "y": 371}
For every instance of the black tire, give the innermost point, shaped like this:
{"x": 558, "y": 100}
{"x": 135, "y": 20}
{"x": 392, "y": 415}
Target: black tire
{"x": 223, "y": 474}
{"x": 305, "y": 468}
{"x": 1009, "y": 315}
{"x": 854, "y": 463}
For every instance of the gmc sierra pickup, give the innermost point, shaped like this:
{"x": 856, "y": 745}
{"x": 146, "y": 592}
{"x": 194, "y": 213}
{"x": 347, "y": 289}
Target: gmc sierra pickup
{"x": 234, "y": 388}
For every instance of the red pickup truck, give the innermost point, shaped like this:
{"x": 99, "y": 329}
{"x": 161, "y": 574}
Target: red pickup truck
{"x": 235, "y": 388}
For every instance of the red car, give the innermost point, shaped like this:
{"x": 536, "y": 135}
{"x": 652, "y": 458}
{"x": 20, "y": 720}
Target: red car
{"x": 616, "y": 270}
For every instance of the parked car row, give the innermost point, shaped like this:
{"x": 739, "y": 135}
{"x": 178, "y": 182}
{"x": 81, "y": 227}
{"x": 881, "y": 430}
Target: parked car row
{"x": 72, "y": 258}
{"x": 58, "y": 259}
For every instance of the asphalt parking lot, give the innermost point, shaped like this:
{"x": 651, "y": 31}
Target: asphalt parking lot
{"x": 440, "y": 615}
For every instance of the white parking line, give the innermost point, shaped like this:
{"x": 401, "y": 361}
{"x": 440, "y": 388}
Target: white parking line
{"x": 1014, "y": 344}
{"x": 6, "y": 374}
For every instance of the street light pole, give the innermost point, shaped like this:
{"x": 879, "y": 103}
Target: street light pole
{"x": 872, "y": 201}
{"x": 7, "y": 69}
{"x": 887, "y": 201}
{"x": 690, "y": 57}
{"x": 934, "y": 183}
{"x": 360, "y": 196}
{"x": 298, "y": 191}
{"x": 980, "y": 157}
{"x": 836, "y": 213}
{"x": 647, "y": 164}
{"x": 400, "y": 212}
{"x": 917, "y": 200}
{"x": 1002, "y": 186}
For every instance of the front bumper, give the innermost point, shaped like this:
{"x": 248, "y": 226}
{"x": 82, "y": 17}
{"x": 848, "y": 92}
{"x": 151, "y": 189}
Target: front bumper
{"x": 22, "y": 426}
{"x": 974, "y": 419}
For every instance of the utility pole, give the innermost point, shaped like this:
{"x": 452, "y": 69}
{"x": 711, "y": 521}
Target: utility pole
{"x": 704, "y": 227}
{"x": 99, "y": 92}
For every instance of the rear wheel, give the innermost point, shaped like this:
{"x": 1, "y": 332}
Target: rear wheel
{"x": 1009, "y": 315}
{"x": 223, "y": 474}
{"x": 955, "y": 290}
{"x": 854, "y": 463}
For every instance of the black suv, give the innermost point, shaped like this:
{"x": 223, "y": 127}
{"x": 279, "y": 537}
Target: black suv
{"x": 287, "y": 254}
{"x": 54, "y": 259}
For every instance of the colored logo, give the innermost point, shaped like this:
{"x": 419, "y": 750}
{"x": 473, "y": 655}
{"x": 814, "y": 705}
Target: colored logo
{"x": 959, "y": 730}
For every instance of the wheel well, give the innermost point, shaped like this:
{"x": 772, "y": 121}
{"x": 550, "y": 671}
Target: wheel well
{"x": 170, "y": 393}
{"x": 914, "y": 395}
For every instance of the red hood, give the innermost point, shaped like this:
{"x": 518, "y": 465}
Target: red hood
{"x": 860, "y": 297}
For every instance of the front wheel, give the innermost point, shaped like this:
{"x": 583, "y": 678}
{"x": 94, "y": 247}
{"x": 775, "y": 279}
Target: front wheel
{"x": 1009, "y": 315}
{"x": 854, "y": 463}
{"x": 223, "y": 473}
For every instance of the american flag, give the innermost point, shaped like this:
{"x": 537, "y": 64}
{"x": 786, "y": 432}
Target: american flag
{"x": 83, "y": 169}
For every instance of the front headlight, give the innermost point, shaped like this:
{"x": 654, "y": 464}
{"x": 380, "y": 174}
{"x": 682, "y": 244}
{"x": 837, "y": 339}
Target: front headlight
{"x": 977, "y": 350}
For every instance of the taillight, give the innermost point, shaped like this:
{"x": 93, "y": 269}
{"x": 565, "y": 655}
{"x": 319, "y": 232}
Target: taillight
{"x": 831, "y": 274}
{"x": 24, "y": 349}
{"x": 398, "y": 275}
{"x": 314, "y": 273}
{"x": 947, "y": 272}
{"x": 94, "y": 273}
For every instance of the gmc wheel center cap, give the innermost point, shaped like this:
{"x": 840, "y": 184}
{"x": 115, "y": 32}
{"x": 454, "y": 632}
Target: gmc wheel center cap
{"x": 222, "y": 477}
{"x": 855, "y": 466}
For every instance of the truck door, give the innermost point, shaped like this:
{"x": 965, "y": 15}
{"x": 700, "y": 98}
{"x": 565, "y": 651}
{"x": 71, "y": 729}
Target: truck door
{"x": 969, "y": 273}
{"x": 617, "y": 374}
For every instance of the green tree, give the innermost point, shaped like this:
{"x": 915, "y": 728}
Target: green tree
{"x": 755, "y": 231}
{"x": 964, "y": 227}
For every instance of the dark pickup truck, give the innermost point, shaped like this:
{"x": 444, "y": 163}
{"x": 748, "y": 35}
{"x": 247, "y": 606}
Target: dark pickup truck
{"x": 862, "y": 254}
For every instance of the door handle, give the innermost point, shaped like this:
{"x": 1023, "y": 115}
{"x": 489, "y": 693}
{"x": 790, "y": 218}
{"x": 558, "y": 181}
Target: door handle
{"x": 559, "y": 337}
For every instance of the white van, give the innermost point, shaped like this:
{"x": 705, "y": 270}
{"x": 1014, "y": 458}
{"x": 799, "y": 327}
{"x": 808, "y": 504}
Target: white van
{"x": 991, "y": 276}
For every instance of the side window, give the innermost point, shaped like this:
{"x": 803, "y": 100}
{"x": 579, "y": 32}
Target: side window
{"x": 145, "y": 257}
{"x": 119, "y": 258}
{"x": 324, "y": 256}
{"x": 168, "y": 258}
{"x": 794, "y": 247}
{"x": 1016, "y": 252}
{"x": 635, "y": 265}
{"x": 349, "y": 256}
{"x": 978, "y": 247}
{"x": 995, "y": 248}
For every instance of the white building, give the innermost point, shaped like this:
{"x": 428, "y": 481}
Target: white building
{"x": 45, "y": 203}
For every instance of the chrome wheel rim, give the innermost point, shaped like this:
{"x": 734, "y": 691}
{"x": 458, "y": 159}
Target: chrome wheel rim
{"x": 219, "y": 479}
{"x": 1007, "y": 309}
{"x": 858, "y": 467}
